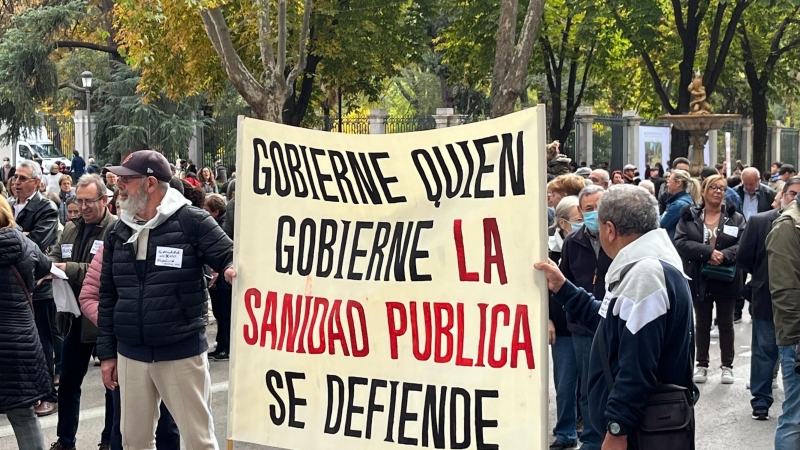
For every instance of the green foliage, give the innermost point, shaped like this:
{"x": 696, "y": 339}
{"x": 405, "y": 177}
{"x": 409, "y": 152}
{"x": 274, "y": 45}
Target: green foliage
{"x": 125, "y": 122}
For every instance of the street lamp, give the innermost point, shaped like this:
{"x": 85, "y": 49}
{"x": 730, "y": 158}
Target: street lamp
{"x": 86, "y": 80}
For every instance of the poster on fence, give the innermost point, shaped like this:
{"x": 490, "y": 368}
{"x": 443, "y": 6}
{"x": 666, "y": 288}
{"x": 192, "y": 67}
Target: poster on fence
{"x": 654, "y": 146}
{"x": 385, "y": 295}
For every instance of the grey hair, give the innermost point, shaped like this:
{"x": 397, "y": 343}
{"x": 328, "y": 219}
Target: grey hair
{"x": 163, "y": 186}
{"x": 647, "y": 184}
{"x": 36, "y": 171}
{"x": 604, "y": 173}
{"x": 92, "y": 179}
{"x": 589, "y": 190}
{"x": 565, "y": 206}
{"x": 751, "y": 171}
{"x": 630, "y": 208}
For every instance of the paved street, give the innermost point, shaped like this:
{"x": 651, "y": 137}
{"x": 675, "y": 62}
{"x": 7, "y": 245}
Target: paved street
{"x": 723, "y": 413}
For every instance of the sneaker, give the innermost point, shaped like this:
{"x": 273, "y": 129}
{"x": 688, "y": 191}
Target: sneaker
{"x": 102, "y": 446}
{"x": 727, "y": 375}
{"x": 737, "y": 321}
{"x": 715, "y": 332}
{"x": 220, "y": 356}
{"x": 700, "y": 375}
{"x": 57, "y": 446}
{"x": 95, "y": 361}
{"x": 761, "y": 414}
{"x": 213, "y": 354}
{"x": 558, "y": 445}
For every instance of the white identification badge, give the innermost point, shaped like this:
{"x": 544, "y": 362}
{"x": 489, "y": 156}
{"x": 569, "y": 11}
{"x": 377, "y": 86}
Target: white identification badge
{"x": 730, "y": 230}
{"x": 96, "y": 246}
{"x": 604, "y": 306}
{"x": 169, "y": 257}
{"x": 66, "y": 250}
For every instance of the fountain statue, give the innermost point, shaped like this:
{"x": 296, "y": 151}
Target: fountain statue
{"x": 698, "y": 122}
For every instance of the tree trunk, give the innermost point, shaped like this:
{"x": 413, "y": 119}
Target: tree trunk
{"x": 512, "y": 56}
{"x": 759, "y": 101}
{"x": 679, "y": 146}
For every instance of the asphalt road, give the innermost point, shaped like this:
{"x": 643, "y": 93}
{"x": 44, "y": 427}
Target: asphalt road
{"x": 723, "y": 413}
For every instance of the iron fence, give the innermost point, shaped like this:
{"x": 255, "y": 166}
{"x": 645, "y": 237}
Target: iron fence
{"x": 408, "y": 124}
{"x": 789, "y": 146}
{"x": 607, "y": 140}
{"x": 61, "y": 130}
{"x": 735, "y": 129}
{"x": 219, "y": 142}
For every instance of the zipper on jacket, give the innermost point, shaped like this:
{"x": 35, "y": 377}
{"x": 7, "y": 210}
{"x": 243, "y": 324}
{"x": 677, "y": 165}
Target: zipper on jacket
{"x": 141, "y": 292}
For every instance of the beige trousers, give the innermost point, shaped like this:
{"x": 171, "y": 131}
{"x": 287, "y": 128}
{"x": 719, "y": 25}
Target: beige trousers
{"x": 185, "y": 387}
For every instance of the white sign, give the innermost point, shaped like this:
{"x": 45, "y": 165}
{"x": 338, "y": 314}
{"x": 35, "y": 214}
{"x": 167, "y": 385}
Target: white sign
{"x": 169, "y": 257}
{"x": 654, "y": 145}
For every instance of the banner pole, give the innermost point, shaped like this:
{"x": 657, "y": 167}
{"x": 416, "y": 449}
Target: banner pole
{"x": 230, "y": 444}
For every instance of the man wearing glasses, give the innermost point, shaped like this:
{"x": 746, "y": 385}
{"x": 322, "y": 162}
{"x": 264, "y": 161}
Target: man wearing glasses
{"x": 151, "y": 333}
{"x": 81, "y": 240}
{"x": 38, "y": 218}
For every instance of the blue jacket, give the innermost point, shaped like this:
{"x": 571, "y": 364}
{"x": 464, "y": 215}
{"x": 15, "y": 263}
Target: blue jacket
{"x": 78, "y": 166}
{"x": 646, "y": 320}
{"x": 670, "y": 218}
{"x": 581, "y": 267}
{"x": 732, "y": 198}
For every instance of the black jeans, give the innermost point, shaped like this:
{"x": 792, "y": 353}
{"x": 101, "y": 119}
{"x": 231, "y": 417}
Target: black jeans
{"x": 168, "y": 436}
{"x": 44, "y": 315}
{"x": 77, "y": 355}
{"x": 703, "y": 311}
{"x": 221, "y": 304}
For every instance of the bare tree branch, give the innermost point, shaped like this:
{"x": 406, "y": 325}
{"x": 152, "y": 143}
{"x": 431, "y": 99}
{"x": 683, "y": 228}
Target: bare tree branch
{"x": 662, "y": 95}
{"x": 88, "y": 45}
{"x": 301, "y": 61}
{"x": 265, "y": 39}
{"x": 724, "y": 49}
{"x": 678, "y": 11}
{"x": 281, "y": 66}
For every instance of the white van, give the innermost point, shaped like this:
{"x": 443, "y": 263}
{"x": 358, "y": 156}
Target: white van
{"x": 35, "y": 147}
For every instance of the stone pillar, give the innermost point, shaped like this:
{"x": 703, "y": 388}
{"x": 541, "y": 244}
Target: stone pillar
{"x": 713, "y": 147}
{"x": 196, "y": 142}
{"x": 443, "y": 117}
{"x": 584, "y": 118}
{"x": 82, "y": 143}
{"x": 631, "y": 139}
{"x": 377, "y": 120}
{"x": 746, "y": 142}
{"x": 776, "y": 142}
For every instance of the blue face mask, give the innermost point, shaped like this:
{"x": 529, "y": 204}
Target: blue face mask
{"x": 590, "y": 221}
{"x": 576, "y": 225}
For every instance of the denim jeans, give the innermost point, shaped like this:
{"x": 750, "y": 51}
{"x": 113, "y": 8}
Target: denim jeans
{"x": 762, "y": 363}
{"x": 591, "y": 439}
{"x": 26, "y": 428}
{"x": 565, "y": 375}
{"x": 167, "y": 434}
{"x": 787, "y": 435}
{"x": 77, "y": 355}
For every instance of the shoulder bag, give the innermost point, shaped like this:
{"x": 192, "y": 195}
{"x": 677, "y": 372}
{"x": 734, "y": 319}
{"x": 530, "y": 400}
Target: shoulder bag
{"x": 24, "y": 286}
{"x": 668, "y": 421}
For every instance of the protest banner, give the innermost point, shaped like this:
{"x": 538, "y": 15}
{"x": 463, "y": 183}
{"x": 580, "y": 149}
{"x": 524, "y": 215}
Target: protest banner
{"x": 385, "y": 295}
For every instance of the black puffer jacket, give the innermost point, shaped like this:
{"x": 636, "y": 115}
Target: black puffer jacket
{"x": 39, "y": 219}
{"x": 24, "y": 379}
{"x": 689, "y": 241}
{"x": 158, "y": 306}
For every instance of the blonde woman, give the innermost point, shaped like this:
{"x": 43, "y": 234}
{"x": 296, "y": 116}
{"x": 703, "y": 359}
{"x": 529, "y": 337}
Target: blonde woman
{"x": 684, "y": 190}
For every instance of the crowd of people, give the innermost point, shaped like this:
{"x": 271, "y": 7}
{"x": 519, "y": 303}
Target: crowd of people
{"x": 115, "y": 232}
{"x": 714, "y": 242}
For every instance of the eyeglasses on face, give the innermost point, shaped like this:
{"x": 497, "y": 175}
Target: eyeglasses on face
{"x": 81, "y": 202}
{"x": 716, "y": 188}
{"x": 125, "y": 179}
{"x": 23, "y": 178}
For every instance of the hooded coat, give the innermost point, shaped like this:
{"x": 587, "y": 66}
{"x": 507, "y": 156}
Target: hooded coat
{"x": 24, "y": 378}
{"x": 646, "y": 321}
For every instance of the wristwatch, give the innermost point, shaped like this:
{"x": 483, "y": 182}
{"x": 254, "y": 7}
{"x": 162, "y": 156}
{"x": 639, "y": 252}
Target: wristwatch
{"x": 616, "y": 429}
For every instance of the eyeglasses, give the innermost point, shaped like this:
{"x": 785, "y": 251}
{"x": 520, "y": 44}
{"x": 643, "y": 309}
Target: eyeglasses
{"x": 85, "y": 202}
{"x": 125, "y": 179}
{"x": 716, "y": 189}
{"x": 23, "y": 178}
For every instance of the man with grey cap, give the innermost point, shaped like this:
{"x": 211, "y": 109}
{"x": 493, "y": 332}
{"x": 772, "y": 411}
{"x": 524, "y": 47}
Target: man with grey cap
{"x": 629, "y": 174}
{"x": 151, "y": 334}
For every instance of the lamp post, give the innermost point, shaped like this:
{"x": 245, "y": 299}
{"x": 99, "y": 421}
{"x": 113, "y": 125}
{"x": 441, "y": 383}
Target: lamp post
{"x": 86, "y": 80}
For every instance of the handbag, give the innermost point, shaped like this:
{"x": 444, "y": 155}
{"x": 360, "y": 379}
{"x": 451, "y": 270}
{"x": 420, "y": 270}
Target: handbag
{"x": 24, "y": 286}
{"x": 668, "y": 420}
{"x": 725, "y": 273}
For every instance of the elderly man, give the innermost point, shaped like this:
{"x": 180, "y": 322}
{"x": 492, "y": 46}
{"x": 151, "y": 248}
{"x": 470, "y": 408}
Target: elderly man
{"x": 38, "y": 218}
{"x": 80, "y": 241}
{"x": 111, "y": 182}
{"x": 783, "y": 258}
{"x": 786, "y": 171}
{"x": 151, "y": 331}
{"x": 756, "y": 197}
{"x": 599, "y": 177}
{"x": 644, "y": 322}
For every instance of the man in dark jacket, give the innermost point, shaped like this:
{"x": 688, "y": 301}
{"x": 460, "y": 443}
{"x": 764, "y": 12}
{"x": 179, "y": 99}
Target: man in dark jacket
{"x": 38, "y": 218}
{"x": 80, "y": 241}
{"x": 584, "y": 263}
{"x": 77, "y": 167}
{"x": 645, "y": 318}
{"x": 92, "y": 167}
{"x": 756, "y": 196}
{"x": 151, "y": 331}
{"x": 752, "y": 258}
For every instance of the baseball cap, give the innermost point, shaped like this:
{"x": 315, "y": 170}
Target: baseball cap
{"x": 144, "y": 162}
{"x": 629, "y": 167}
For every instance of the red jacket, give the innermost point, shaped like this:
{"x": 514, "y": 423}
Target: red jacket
{"x": 90, "y": 292}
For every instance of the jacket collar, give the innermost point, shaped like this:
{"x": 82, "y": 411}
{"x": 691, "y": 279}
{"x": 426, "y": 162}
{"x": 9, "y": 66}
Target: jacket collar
{"x": 651, "y": 245}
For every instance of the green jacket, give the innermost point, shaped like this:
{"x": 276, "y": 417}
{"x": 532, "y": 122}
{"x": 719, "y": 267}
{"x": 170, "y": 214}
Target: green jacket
{"x": 78, "y": 265}
{"x": 783, "y": 251}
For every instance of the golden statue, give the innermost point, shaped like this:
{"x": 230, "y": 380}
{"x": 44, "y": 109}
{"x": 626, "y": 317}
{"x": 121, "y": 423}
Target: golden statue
{"x": 699, "y": 105}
